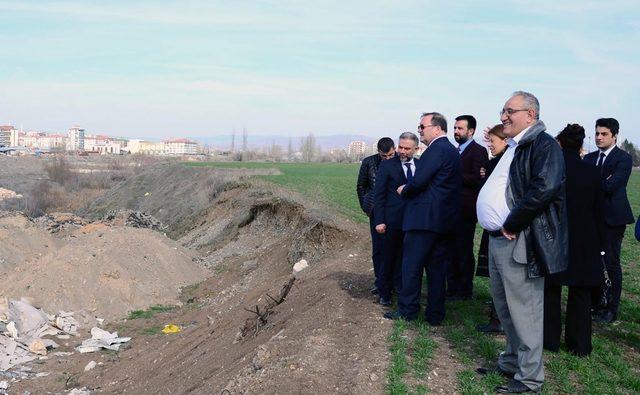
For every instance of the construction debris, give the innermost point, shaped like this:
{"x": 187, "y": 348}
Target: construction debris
{"x": 136, "y": 219}
{"x": 56, "y": 222}
{"x": 8, "y": 194}
{"x": 300, "y": 266}
{"x": 102, "y": 339}
{"x": 25, "y": 327}
{"x": 90, "y": 366}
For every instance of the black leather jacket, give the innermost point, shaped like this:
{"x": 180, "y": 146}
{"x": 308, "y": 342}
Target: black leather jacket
{"x": 537, "y": 179}
{"x": 366, "y": 182}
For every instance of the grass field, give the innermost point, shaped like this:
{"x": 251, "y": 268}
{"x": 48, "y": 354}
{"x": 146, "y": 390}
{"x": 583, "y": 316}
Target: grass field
{"x": 613, "y": 367}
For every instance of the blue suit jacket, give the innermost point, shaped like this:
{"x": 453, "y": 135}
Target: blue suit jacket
{"x": 615, "y": 174}
{"x": 388, "y": 205}
{"x": 434, "y": 193}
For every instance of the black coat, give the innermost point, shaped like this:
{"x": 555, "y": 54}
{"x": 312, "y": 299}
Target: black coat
{"x": 537, "y": 178}
{"x": 471, "y": 160}
{"x": 367, "y": 181}
{"x": 585, "y": 220}
{"x": 614, "y": 175}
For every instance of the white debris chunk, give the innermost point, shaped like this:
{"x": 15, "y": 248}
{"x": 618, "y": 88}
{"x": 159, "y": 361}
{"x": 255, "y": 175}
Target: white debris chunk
{"x": 23, "y": 339}
{"x": 4, "y": 385}
{"x": 90, "y": 366}
{"x": 300, "y": 266}
{"x": 79, "y": 391}
{"x": 102, "y": 339}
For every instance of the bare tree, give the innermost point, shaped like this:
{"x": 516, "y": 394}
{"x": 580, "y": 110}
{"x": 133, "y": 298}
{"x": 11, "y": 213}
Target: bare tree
{"x": 290, "y": 150}
{"x": 308, "y": 148}
{"x": 244, "y": 139}
{"x": 233, "y": 141}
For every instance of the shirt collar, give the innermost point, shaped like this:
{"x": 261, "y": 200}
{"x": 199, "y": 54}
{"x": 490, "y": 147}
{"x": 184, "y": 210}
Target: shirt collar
{"x": 608, "y": 151}
{"x": 464, "y": 145}
{"x": 409, "y": 161}
{"x": 515, "y": 140}
{"x": 439, "y": 137}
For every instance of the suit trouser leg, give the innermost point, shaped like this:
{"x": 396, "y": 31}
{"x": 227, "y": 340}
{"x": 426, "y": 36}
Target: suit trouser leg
{"x": 377, "y": 246}
{"x": 613, "y": 244}
{"x": 552, "y": 316}
{"x": 577, "y": 332}
{"x": 391, "y": 262}
{"x": 467, "y": 261}
{"x": 519, "y": 303}
{"x": 462, "y": 265}
{"x": 416, "y": 249}
{"x": 436, "y": 268}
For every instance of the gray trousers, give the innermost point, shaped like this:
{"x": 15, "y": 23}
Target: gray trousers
{"x": 519, "y": 302}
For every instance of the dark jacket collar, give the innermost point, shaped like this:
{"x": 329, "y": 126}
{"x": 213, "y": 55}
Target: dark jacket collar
{"x": 533, "y": 133}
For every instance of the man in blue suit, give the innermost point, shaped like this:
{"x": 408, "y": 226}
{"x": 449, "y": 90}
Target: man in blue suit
{"x": 389, "y": 210}
{"x": 430, "y": 218}
{"x": 615, "y": 168}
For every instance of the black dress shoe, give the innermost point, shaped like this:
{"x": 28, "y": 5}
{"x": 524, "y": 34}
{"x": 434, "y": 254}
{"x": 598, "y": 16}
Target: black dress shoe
{"x": 514, "y": 387}
{"x": 606, "y": 317}
{"x": 385, "y": 301}
{"x": 485, "y": 371}
{"x": 395, "y": 315}
{"x": 493, "y": 326}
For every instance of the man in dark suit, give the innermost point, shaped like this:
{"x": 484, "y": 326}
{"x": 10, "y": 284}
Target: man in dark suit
{"x": 615, "y": 168}
{"x": 364, "y": 188}
{"x": 430, "y": 218}
{"x": 472, "y": 157}
{"x": 389, "y": 210}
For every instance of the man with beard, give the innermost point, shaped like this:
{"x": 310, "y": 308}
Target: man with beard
{"x": 389, "y": 210}
{"x": 472, "y": 157}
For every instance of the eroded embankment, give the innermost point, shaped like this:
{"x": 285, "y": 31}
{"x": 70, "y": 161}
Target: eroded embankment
{"x": 249, "y": 327}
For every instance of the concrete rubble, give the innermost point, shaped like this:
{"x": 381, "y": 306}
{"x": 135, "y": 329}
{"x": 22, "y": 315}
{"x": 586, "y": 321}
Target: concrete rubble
{"x": 25, "y": 327}
{"x": 101, "y": 339}
{"x": 136, "y": 219}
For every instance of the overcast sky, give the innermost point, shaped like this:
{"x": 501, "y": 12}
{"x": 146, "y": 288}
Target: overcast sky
{"x": 198, "y": 68}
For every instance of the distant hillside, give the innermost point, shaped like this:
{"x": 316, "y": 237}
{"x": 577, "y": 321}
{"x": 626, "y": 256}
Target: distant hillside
{"x": 262, "y": 141}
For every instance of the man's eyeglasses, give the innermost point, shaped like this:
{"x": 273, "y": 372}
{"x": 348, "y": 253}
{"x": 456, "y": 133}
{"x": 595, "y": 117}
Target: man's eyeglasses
{"x": 511, "y": 111}
{"x": 423, "y": 127}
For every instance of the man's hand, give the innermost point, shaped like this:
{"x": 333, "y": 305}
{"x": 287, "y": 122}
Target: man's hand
{"x": 399, "y": 190}
{"x": 381, "y": 228}
{"x": 508, "y": 235}
{"x": 485, "y": 134}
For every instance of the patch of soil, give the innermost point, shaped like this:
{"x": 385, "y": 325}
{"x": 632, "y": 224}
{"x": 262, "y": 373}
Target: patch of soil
{"x": 99, "y": 271}
{"x": 326, "y": 336}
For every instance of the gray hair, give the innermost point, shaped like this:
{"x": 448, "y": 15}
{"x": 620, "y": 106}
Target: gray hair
{"x": 409, "y": 136}
{"x": 437, "y": 119}
{"x": 530, "y": 102}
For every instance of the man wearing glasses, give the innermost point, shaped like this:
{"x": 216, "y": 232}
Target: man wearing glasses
{"x": 522, "y": 205}
{"x": 364, "y": 188}
{"x": 430, "y": 218}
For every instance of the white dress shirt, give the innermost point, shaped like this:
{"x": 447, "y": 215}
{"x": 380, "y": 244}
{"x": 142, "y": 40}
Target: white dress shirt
{"x": 411, "y": 164}
{"x": 491, "y": 206}
{"x": 606, "y": 154}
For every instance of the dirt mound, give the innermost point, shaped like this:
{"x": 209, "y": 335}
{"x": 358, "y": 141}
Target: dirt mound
{"x": 173, "y": 193}
{"x": 105, "y": 271}
{"x": 21, "y": 240}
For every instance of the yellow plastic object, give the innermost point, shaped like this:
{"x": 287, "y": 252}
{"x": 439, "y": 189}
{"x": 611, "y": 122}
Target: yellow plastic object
{"x": 170, "y": 328}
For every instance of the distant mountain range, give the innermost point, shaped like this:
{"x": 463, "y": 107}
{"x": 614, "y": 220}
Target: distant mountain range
{"x": 263, "y": 141}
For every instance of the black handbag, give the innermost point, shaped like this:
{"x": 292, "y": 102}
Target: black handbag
{"x": 605, "y": 293}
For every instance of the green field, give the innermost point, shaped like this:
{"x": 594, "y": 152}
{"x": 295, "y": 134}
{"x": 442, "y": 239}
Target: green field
{"x": 613, "y": 367}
